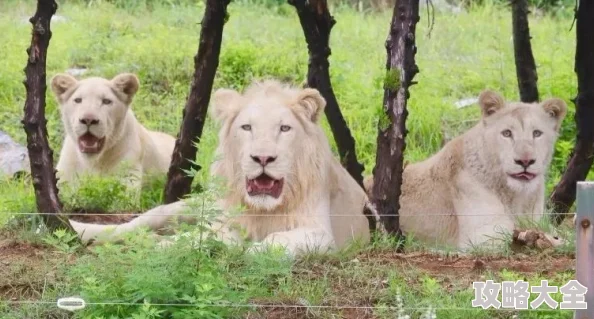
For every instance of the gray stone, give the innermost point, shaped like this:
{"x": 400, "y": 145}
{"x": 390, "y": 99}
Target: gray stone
{"x": 14, "y": 158}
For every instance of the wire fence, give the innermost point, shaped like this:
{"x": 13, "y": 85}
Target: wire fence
{"x": 283, "y": 306}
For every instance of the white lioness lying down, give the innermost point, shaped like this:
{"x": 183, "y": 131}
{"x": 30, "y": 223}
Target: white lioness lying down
{"x": 277, "y": 163}
{"x": 467, "y": 192}
{"x": 102, "y": 131}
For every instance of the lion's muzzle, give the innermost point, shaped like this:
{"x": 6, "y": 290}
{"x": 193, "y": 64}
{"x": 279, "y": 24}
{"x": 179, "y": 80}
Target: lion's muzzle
{"x": 264, "y": 185}
{"x": 90, "y": 144}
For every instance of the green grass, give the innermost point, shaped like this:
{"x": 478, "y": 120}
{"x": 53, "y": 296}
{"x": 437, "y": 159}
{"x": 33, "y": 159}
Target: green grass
{"x": 464, "y": 54}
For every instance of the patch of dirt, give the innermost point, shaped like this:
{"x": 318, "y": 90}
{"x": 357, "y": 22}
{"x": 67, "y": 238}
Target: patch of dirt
{"x": 95, "y": 216}
{"x": 440, "y": 265}
{"x": 25, "y": 269}
{"x": 277, "y": 310}
{"x": 362, "y": 282}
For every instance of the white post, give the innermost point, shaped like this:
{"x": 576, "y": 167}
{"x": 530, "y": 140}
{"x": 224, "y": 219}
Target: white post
{"x": 584, "y": 233}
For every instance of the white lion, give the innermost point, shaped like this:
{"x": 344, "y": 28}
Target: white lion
{"x": 473, "y": 188}
{"x": 102, "y": 132}
{"x": 277, "y": 164}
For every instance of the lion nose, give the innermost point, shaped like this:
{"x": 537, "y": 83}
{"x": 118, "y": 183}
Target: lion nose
{"x": 89, "y": 120}
{"x": 525, "y": 162}
{"x": 263, "y": 160}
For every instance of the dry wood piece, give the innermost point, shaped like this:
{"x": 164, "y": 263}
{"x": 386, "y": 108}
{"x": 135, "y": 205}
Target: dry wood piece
{"x": 400, "y": 70}
{"x": 34, "y": 122}
{"x": 206, "y": 62}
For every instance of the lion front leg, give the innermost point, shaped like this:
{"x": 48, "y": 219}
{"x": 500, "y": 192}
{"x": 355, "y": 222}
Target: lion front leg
{"x": 301, "y": 240}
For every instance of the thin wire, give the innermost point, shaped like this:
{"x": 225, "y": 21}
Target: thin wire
{"x": 273, "y": 215}
{"x": 283, "y": 306}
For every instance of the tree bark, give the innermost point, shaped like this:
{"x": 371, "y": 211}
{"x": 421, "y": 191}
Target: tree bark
{"x": 317, "y": 24}
{"x": 525, "y": 65}
{"x": 206, "y": 62}
{"x": 34, "y": 121}
{"x": 581, "y": 158}
{"x": 400, "y": 70}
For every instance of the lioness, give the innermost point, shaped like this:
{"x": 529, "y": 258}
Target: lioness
{"x": 471, "y": 189}
{"x": 102, "y": 131}
{"x": 277, "y": 163}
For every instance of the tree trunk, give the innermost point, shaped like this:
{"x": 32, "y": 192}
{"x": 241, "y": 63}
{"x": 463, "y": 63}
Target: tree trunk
{"x": 581, "y": 158}
{"x": 400, "y": 70}
{"x": 206, "y": 62}
{"x": 317, "y": 24}
{"x": 525, "y": 65}
{"x": 34, "y": 122}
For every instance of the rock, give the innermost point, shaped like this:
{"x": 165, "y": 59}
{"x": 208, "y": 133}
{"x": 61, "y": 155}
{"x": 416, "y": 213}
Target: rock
{"x": 76, "y": 71}
{"x": 14, "y": 158}
{"x": 466, "y": 102}
{"x": 441, "y": 5}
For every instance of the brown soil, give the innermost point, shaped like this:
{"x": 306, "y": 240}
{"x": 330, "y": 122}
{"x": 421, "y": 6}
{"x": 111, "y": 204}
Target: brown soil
{"x": 440, "y": 265}
{"x": 360, "y": 289}
{"x": 101, "y": 217}
{"x": 25, "y": 269}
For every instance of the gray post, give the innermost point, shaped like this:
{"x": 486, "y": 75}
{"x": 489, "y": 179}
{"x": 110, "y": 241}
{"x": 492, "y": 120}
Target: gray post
{"x": 584, "y": 232}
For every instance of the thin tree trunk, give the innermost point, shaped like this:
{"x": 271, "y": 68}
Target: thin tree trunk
{"x": 206, "y": 62}
{"x": 581, "y": 158}
{"x": 34, "y": 122}
{"x": 525, "y": 65}
{"x": 317, "y": 24}
{"x": 400, "y": 70}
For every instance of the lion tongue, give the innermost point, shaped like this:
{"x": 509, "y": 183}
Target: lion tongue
{"x": 264, "y": 182}
{"x": 88, "y": 143}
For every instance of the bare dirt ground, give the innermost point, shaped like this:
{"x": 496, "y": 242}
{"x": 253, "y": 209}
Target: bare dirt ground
{"x": 357, "y": 294}
{"x": 101, "y": 217}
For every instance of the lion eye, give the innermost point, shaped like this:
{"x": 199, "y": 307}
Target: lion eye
{"x": 506, "y": 133}
{"x": 246, "y": 127}
{"x": 106, "y": 101}
{"x": 285, "y": 128}
{"x": 537, "y": 133}
{"x": 77, "y": 100}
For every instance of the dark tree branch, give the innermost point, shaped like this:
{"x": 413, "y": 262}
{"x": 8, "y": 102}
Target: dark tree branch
{"x": 206, "y": 62}
{"x": 525, "y": 65}
{"x": 34, "y": 122}
{"x": 400, "y": 71}
{"x": 317, "y": 24}
{"x": 582, "y": 155}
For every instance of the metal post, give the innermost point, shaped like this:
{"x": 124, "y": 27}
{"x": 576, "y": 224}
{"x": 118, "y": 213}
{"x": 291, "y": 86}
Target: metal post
{"x": 584, "y": 231}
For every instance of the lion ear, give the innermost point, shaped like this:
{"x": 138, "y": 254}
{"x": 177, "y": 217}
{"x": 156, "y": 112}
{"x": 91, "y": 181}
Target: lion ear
{"x": 556, "y": 108}
{"x": 490, "y": 102}
{"x": 312, "y": 103}
{"x": 61, "y": 85}
{"x": 223, "y": 104}
{"x": 127, "y": 85}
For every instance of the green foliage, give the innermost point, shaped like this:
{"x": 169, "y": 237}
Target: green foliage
{"x": 547, "y": 5}
{"x": 62, "y": 240}
{"x": 195, "y": 276}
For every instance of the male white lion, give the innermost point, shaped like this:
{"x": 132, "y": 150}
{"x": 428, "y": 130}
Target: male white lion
{"x": 276, "y": 163}
{"x": 471, "y": 190}
{"x": 102, "y": 131}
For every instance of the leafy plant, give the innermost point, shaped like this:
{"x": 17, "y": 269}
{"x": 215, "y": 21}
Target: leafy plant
{"x": 62, "y": 240}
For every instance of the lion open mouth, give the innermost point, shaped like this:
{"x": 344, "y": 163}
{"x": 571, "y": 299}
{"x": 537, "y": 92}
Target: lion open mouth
{"x": 523, "y": 176}
{"x": 90, "y": 144}
{"x": 264, "y": 185}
